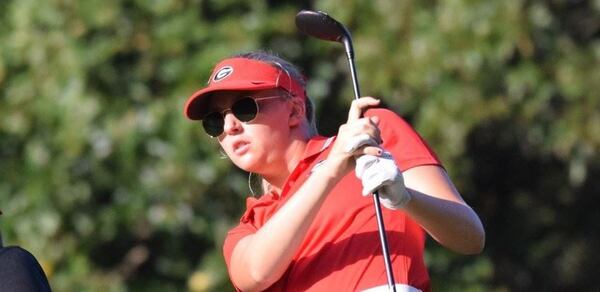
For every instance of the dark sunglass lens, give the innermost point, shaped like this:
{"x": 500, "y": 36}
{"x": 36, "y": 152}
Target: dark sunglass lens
{"x": 213, "y": 124}
{"x": 245, "y": 109}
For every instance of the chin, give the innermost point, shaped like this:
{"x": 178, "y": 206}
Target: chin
{"x": 247, "y": 164}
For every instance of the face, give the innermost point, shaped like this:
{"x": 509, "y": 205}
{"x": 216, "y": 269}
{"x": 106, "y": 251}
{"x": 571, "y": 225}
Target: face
{"x": 258, "y": 145}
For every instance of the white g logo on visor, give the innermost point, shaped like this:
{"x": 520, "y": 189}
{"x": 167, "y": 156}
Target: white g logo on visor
{"x": 223, "y": 73}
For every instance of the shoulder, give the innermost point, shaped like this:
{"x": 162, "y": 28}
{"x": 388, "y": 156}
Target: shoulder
{"x": 383, "y": 113}
{"x": 20, "y": 271}
{"x": 386, "y": 115}
{"x": 402, "y": 140}
{"x": 390, "y": 122}
{"x": 14, "y": 254}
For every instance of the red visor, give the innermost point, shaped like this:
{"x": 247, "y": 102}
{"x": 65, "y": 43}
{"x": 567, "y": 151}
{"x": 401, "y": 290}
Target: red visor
{"x": 240, "y": 74}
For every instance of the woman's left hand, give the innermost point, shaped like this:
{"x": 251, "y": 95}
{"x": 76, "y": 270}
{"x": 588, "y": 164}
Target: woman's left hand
{"x": 358, "y": 136}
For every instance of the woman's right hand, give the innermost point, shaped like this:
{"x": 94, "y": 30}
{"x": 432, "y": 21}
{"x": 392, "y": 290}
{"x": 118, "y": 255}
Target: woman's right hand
{"x": 358, "y": 136}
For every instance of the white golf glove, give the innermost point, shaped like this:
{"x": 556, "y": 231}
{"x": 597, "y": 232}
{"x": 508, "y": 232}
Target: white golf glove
{"x": 381, "y": 173}
{"x": 359, "y": 141}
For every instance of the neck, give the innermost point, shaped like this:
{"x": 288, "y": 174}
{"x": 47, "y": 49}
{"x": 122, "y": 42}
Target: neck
{"x": 293, "y": 156}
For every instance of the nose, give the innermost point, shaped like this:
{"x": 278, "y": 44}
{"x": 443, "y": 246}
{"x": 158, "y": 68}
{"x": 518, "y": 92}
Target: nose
{"x": 231, "y": 125}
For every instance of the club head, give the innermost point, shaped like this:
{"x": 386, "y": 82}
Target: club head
{"x": 322, "y": 26}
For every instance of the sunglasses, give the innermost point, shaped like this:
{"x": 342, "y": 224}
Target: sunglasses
{"x": 244, "y": 109}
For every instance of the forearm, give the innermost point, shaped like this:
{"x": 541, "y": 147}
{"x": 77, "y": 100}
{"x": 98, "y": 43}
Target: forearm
{"x": 263, "y": 257}
{"x": 452, "y": 224}
{"x": 438, "y": 207}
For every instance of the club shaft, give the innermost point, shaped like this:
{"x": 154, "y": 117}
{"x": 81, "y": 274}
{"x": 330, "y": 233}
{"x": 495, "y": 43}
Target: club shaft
{"x": 384, "y": 243}
{"x": 378, "y": 213}
{"x": 354, "y": 76}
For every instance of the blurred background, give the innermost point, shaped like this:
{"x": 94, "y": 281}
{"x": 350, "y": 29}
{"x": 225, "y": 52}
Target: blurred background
{"x": 112, "y": 189}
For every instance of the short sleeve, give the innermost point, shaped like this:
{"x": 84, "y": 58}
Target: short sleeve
{"x": 233, "y": 237}
{"x": 257, "y": 212}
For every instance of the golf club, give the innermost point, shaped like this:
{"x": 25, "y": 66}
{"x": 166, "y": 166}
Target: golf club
{"x": 322, "y": 26}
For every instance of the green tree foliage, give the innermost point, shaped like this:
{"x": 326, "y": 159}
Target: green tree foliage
{"x": 112, "y": 189}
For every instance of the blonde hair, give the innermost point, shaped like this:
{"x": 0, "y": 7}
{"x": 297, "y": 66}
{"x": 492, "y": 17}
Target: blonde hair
{"x": 292, "y": 71}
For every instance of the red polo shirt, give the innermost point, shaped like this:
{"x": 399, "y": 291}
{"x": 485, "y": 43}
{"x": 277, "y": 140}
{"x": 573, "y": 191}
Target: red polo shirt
{"x": 341, "y": 251}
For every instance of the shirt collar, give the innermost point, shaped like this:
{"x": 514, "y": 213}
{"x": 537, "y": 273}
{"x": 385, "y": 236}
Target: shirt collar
{"x": 316, "y": 145}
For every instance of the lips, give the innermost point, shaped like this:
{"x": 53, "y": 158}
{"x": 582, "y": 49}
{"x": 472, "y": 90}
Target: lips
{"x": 240, "y": 147}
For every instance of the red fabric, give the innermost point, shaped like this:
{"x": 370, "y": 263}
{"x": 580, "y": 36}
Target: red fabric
{"x": 341, "y": 251}
{"x": 241, "y": 74}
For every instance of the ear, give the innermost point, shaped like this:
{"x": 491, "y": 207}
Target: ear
{"x": 297, "y": 112}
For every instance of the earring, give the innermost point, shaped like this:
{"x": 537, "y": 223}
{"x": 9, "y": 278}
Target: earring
{"x": 222, "y": 154}
{"x": 250, "y": 185}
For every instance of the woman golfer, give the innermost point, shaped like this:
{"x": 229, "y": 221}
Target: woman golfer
{"x": 314, "y": 228}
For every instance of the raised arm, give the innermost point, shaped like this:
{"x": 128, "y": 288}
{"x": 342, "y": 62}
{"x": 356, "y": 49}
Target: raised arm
{"x": 423, "y": 191}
